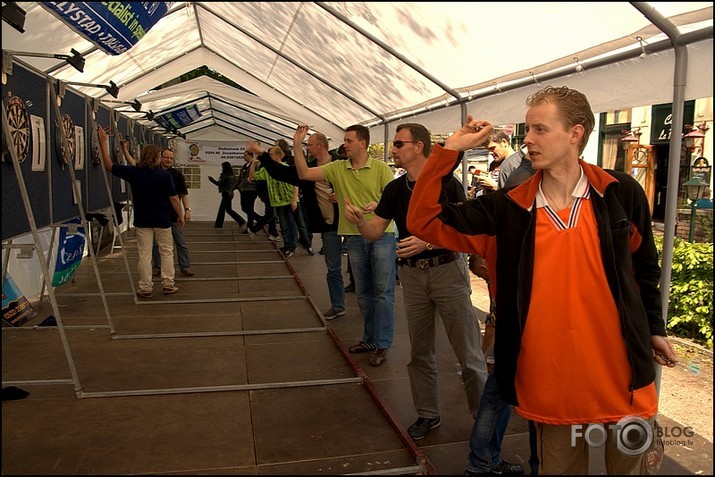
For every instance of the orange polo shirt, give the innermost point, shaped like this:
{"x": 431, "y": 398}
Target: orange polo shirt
{"x": 573, "y": 366}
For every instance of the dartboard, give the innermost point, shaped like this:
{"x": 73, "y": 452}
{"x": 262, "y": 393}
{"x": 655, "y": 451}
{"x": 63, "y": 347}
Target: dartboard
{"x": 94, "y": 141}
{"x": 66, "y": 154}
{"x": 19, "y": 127}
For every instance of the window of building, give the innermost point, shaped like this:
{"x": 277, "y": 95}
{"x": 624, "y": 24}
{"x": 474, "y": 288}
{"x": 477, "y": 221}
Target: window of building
{"x": 192, "y": 174}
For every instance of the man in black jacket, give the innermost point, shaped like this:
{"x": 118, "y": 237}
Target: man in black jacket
{"x": 580, "y": 326}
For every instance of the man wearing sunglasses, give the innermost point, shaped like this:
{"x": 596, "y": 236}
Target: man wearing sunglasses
{"x": 434, "y": 280}
{"x": 362, "y": 180}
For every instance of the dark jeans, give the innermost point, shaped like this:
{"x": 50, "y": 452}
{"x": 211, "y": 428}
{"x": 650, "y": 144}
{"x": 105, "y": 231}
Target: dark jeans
{"x": 226, "y": 207}
{"x": 269, "y": 218}
{"x": 488, "y": 432}
{"x": 293, "y": 227}
{"x": 248, "y": 206}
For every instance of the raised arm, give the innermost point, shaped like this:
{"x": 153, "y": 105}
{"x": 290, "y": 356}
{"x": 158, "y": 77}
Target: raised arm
{"x": 125, "y": 150}
{"x": 103, "y": 149}
{"x": 304, "y": 172}
{"x": 430, "y": 216}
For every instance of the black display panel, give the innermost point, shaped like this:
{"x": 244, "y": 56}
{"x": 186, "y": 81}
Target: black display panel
{"x": 98, "y": 197}
{"x": 62, "y": 153}
{"x": 25, "y": 102}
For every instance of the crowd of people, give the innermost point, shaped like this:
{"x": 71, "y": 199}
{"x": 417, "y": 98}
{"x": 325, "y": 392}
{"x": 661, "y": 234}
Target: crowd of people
{"x": 567, "y": 248}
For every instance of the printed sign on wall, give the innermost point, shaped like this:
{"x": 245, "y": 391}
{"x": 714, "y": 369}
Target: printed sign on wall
{"x": 16, "y": 309}
{"x": 210, "y": 152}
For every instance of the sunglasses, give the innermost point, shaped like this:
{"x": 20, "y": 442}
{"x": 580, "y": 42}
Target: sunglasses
{"x": 398, "y": 144}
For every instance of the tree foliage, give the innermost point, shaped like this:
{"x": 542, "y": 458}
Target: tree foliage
{"x": 690, "y": 305}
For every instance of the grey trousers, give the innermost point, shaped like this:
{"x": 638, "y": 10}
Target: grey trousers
{"x": 442, "y": 291}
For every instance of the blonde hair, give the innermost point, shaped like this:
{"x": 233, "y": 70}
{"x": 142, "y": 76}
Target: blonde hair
{"x": 573, "y": 106}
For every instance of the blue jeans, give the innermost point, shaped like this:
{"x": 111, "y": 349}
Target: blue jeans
{"x": 332, "y": 252}
{"x": 488, "y": 430}
{"x": 373, "y": 266}
{"x": 179, "y": 244}
{"x": 293, "y": 228}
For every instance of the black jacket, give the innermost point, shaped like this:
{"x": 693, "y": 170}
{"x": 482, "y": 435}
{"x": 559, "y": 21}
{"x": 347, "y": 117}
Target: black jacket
{"x": 629, "y": 255}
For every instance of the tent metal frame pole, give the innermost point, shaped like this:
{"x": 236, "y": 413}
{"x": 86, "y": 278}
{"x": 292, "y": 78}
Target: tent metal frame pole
{"x": 50, "y": 250}
{"x": 671, "y": 201}
{"x": 115, "y": 222}
{"x": 40, "y": 254}
{"x": 80, "y": 206}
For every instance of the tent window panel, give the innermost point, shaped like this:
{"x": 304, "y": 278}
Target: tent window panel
{"x": 192, "y": 174}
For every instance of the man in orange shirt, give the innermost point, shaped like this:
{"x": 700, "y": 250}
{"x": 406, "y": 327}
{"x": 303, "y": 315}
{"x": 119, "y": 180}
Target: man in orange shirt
{"x": 580, "y": 325}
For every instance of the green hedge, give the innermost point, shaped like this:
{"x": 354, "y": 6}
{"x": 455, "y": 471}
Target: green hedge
{"x": 690, "y": 308}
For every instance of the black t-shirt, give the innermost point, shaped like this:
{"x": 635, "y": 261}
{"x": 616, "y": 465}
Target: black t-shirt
{"x": 395, "y": 201}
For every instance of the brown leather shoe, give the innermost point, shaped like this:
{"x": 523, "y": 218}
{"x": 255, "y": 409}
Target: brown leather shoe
{"x": 188, "y": 272}
{"x": 378, "y": 357}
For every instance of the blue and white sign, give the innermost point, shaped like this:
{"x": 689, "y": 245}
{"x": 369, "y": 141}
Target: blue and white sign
{"x": 69, "y": 253}
{"x": 114, "y": 27}
{"x": 179, "y": 118}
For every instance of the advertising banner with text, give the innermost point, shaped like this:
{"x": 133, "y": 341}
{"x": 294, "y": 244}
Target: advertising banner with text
{"x": 209, "y": 152}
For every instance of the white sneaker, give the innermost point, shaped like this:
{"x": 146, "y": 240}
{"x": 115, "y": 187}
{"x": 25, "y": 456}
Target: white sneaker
{"x": 275, "y": 238}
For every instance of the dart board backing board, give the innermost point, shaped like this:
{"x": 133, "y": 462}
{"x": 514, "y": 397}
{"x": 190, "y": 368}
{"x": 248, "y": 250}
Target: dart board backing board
{"x": 97, "y": 195}
{"x": 72, "y": 114}
{"x": 30, "y": 87}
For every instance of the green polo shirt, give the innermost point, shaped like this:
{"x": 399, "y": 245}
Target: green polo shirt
{"x": 361, "y": 186}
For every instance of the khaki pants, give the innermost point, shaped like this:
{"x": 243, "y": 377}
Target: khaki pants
{"x": 563, "y": 450}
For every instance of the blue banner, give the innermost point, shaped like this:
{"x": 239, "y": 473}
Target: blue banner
{"x": 70, "y": 251}
{"x": 114, "y": 27}
{"x": 179, "y": 118}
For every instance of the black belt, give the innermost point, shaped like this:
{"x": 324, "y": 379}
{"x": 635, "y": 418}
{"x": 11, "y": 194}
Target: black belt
{"x": 435, "y": 261}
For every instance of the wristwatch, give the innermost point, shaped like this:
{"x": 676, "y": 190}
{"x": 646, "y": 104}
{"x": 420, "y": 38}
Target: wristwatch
{"x": 429, "y": 246}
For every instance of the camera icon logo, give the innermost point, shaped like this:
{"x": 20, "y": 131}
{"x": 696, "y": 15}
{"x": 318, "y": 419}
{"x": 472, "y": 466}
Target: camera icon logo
{"x": 634, "y": 435}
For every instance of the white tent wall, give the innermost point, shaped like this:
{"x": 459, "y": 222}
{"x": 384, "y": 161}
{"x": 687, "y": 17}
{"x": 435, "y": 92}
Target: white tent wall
{"x": 626, "y": 84}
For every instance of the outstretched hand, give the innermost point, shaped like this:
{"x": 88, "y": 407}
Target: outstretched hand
{"x": 473, "y": 134}
{"x": 300, "y": 133}
{"x": 101, "y": 135}
{"x": 252, "y": 146}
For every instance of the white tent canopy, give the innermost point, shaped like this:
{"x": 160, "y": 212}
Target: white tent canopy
{"x": 334, "y": 64}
